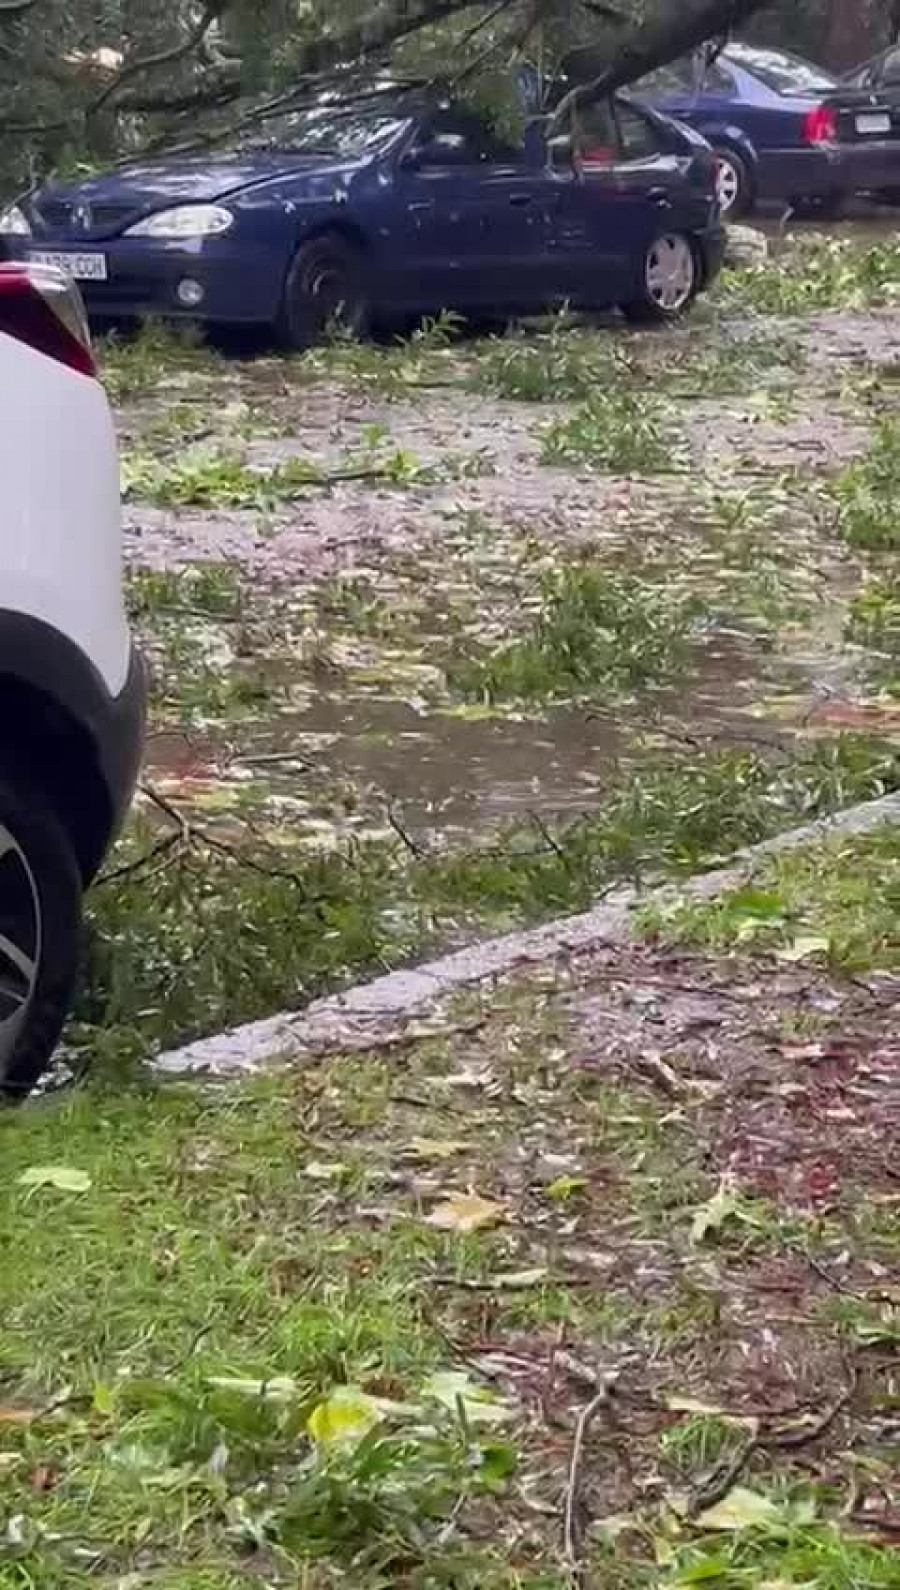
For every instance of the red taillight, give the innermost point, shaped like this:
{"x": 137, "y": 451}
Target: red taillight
{"x": 42, "y": 308}
{"x": 820, "y": 126}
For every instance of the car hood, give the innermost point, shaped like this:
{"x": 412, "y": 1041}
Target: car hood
{"x": 155, "y": 184}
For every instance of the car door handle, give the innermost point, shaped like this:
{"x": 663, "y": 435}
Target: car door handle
{"x": 520, "y": 200}
{"x": 418, "y": 205}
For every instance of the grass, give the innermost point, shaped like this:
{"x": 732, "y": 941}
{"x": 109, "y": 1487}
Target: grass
{"x": 596, "y": 631}
{"x": 211, "y": 1286}
{"x": 838, "y": 903}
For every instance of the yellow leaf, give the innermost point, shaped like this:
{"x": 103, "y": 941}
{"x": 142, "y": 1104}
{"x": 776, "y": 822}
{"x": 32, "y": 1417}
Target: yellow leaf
{"x": 435, "y": 1147}
{"x": 803, "y": 947}
{"x": 741, "y": 1509}
{"x": 344, "y": 1417}
{"x": 467, "y": 1212}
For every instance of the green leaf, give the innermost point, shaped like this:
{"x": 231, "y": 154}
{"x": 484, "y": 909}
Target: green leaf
{"x": 566, "y": 1187}
{"x": 711, "y": 1217}
{"x": 451, "y": 1387}
{"x": 279, "y": 1389}
{"x": 64, "y": 1178}
{"x": 741, "y": 1509}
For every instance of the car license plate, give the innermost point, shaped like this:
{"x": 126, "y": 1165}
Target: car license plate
{"x": 878, "y": 122}
{"x": 83, "y": 267}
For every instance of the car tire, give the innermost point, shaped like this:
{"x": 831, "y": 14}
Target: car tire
{"x": 40, "y": 933}
{"x": 734, "y": 182}
{"x": 670, "y": 279}
{"x": 324, "y": 289}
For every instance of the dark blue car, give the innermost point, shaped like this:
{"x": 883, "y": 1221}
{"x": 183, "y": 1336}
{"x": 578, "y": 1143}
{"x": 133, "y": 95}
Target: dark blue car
{"x": 398, "y": 204}
{"x": 783, "y": 128}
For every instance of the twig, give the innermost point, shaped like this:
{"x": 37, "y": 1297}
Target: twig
{"x": 726, "y": 1478}
{"x": 722, "y": 1482}
{"x": 413, "y": 848}
{"x": 573, "y": 1532}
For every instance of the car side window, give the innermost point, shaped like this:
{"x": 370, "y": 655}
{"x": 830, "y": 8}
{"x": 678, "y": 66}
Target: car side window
{"x": 716, "y": 80}
{"x": 459, "y": 138}
{"x": 638, "y": 138}
{"x": 667, "y": 82}
{"x": 595, "y": 136}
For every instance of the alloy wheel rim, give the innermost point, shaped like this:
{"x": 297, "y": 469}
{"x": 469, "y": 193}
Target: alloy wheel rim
{"x": 327, "y": 288}
{"x": 728, "y": 184}
{"x": 670, "y": 273}
{"x": 20, "y": 945}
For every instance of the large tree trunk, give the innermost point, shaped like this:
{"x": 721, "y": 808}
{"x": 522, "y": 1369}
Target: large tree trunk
{"x": 850, "y": 34}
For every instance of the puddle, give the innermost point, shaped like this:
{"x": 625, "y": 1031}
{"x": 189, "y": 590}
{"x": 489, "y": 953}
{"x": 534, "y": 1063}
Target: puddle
{"x": 363, "y": 764}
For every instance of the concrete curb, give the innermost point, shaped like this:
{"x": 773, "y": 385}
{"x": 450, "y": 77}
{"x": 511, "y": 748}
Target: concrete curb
{"x": 370, "y": 1014}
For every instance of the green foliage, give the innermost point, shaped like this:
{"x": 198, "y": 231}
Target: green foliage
{"x": 550, "y": 367}
{"x": 840, "y": 899}
{"x": 816, "y": 273}
{"x": 596, "y": 632}
{"x": 868, "y": 493}
{"x": 167, "y": 965}
{"x": 615, "y": 429}
{"x": 874, "y": 623}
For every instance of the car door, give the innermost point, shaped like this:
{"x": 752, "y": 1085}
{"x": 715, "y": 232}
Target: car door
{"x": 621, "y": 196}
{"x": 471, "y": 218}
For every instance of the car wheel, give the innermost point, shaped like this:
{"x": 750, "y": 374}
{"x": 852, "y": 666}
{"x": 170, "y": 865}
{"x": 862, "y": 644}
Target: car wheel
{"x": 324, "y": 291}
{"x": 734, "y": 184}
{"x": 670, "y": 278}
{"x": 40, "y": 934}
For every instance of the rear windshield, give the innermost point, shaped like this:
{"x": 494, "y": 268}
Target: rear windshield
{"x": 345, "y": 133}
{"x": 786, "y": 74}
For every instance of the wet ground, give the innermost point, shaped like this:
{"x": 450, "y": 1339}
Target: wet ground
{"x": 304, "y": 654}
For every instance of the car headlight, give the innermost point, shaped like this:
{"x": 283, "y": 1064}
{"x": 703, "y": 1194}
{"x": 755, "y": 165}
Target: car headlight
{"x": 185, "y": 220}
{"x": 14, "y": 222}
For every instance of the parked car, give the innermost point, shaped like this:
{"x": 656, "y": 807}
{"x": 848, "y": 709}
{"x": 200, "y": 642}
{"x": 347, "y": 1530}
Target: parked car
{"x": 71, "y": 686}
{"x": 881, "y": 73}
{"x": 783, "y": 128}
{"x": 398, "y": 204}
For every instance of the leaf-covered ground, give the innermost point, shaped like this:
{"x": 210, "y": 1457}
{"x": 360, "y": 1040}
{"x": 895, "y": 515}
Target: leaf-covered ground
{"x": 593, "y": 1279}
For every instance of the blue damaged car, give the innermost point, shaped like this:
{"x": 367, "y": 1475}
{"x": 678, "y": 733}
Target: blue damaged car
{"x": 396, "y": 203}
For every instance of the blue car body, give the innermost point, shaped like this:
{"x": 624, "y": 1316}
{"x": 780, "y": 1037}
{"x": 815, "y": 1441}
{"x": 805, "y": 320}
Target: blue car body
{"x": 799, "y": 134}
{"x": 479, "y": 224}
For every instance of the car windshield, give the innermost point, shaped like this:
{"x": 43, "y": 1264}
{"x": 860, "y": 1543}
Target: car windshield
{"x": 786, "y": 74}
{"x": 345, "y": 133}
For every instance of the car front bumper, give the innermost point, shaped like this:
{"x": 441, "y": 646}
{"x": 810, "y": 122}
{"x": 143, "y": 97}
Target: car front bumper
{"x": 822, "y": 173}
{"x": 216, "y": 282}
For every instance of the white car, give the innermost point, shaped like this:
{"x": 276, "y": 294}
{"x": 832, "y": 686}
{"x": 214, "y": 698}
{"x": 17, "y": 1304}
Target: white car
{"x": 71, "y": 683}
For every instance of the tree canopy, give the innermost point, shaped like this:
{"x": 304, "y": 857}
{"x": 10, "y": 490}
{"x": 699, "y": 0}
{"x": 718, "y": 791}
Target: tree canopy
{"x": 88, "y": 80}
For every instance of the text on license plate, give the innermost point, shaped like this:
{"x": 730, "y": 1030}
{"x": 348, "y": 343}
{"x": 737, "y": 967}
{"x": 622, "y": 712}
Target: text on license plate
{"x": 874, "y": 122}
{"x": 83, "y": 267}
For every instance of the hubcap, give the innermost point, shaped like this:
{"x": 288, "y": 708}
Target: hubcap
{"x": 728, "y": 183}
{"x": 20, "y": 944}
{"x": 670, "y": 273}
{"x": 328, "y": 288}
